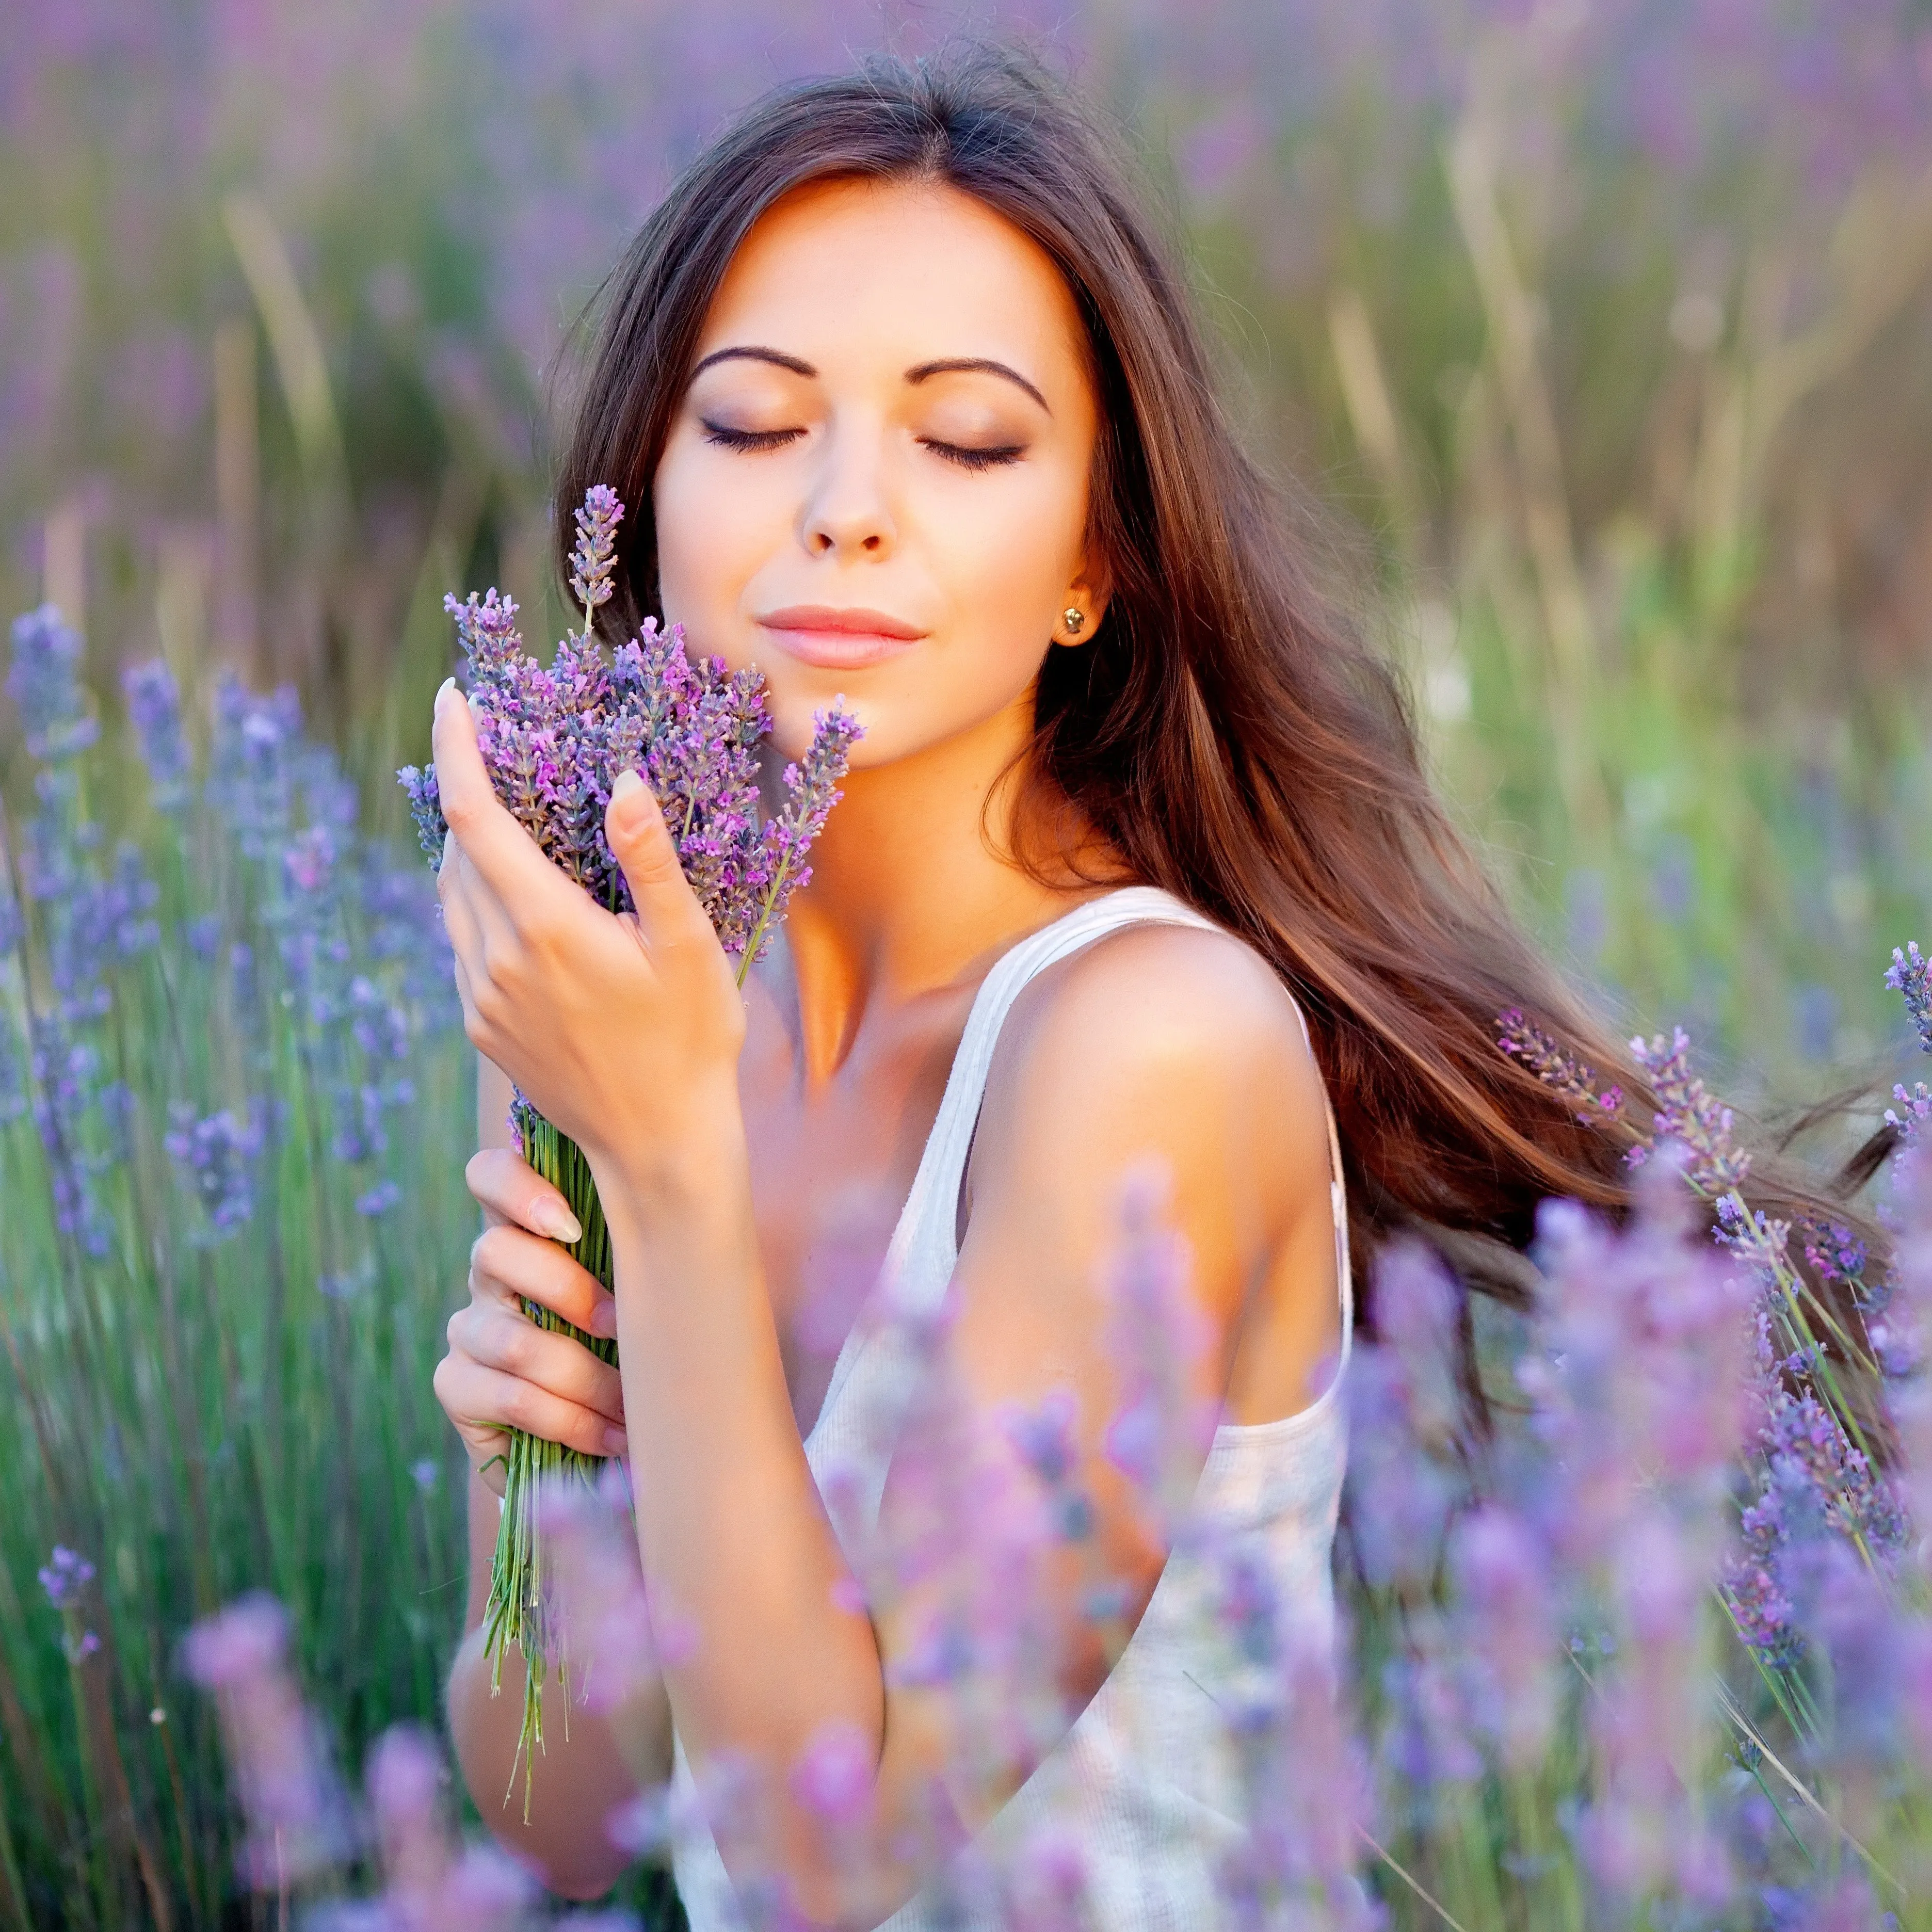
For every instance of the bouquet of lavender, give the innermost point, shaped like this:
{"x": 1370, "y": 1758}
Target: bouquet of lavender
{"x": 553, "y": 742}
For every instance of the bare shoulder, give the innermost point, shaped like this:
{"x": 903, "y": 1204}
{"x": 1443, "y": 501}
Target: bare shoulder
{"x": 1149, "y": 1003}
{"x": 1162, "y": 1040}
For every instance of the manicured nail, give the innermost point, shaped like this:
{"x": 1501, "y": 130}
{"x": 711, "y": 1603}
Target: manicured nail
{"x": 615, "y": 1442}
{"x": 627, "y": 782}
{"x": 442, "y": 692}
{"x": 476, "y": 707}
{"x": 553, "y": 1218}
{"x": 603, "y": 1318}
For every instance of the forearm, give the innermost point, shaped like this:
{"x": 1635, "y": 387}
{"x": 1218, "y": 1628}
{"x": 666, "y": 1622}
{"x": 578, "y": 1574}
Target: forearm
{"x": 736, "y": 1543}
{"x": 733, "y": 1536}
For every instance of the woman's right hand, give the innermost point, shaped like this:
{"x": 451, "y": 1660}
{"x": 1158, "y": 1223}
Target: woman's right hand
{"x": 503, "y": 1372}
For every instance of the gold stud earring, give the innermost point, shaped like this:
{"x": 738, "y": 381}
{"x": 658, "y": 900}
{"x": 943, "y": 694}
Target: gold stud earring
{"x": 1074, "y": 618}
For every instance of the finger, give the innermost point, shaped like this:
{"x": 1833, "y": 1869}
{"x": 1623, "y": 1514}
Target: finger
{"x": 486, "y": 1405}
{"x": 499, "y": 848}
{"x": 559, "y": 1364}
{"x": 506, "y": 1184}
{"x": 459, "y": 908}
{"x": 488, "y": 1398}
{"x": 478, "y": 923}
{"x": 506, "y": 1264}
{"x": 640, "y": 842}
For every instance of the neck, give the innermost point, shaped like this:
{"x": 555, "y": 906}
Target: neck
{"x": 913, "y": 890}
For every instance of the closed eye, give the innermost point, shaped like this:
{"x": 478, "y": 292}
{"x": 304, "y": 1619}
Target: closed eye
{"x": 981, "y": 458}
{"x": 748, "y": 438}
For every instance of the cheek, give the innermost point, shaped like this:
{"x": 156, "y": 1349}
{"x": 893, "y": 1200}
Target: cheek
{"x": 711, "y": 539}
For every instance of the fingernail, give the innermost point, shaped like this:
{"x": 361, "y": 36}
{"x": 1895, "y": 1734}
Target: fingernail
{"x": 615, "y": 1442}
{"x": 627, "y": 782}
{"x": 476, "y": 706}
{"x": 553, "y": 1218}
{"x": 604, "y": 1319}
{"x": 442, "y": 692}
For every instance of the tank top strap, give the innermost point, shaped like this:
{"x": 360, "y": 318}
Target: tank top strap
{"x": 920, "y": 1261}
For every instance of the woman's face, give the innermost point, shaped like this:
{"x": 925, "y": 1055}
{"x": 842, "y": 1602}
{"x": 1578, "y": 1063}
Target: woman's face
{"x": 876, "y": 485}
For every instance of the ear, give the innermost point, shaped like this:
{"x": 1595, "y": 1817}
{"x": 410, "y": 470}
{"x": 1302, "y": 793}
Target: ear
{"x": 1087, "y": 595}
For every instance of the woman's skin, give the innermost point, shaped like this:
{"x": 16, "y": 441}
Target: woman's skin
{"x": 750, "y": 1147}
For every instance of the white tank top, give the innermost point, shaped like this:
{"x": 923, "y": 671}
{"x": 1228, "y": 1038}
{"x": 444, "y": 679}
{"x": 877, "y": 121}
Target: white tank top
{"x": 1145, "y": 1784}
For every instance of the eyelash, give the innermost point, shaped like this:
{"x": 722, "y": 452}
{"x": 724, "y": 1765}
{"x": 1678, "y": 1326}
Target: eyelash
{"x": 753, "y": 439}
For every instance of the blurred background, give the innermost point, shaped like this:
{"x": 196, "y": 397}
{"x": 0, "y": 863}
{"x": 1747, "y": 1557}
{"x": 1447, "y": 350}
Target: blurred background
{"x": 1603, "y": 326}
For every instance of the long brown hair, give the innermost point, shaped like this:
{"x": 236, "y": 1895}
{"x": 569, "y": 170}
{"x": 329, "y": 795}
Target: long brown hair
{"x": 1228, "y": 732}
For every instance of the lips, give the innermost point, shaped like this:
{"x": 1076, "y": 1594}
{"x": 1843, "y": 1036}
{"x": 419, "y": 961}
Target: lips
{"x": 839, "y": 639}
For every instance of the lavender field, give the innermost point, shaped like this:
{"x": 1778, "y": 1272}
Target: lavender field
{"x": 1598, "y": 335}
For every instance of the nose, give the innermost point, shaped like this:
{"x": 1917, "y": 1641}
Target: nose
{"x": 848, "y": 512}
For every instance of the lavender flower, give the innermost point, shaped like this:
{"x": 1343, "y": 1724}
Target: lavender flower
{"x": 216, "y": 1155}
{"x": 1910, "y": 975}
{"x": 64, "y": 1575}
{"x": 1555, "y": 1067}
{"x": 295, "y": 1814}
{"x": 44, "y": 682}
{"x": 154, "y": 708}
{"x": 554, "y": 741}
{"x": 1404, "y": 1473}
{"x": 1687, "y": 1112}
{"x": 594, "y": 555}
{"x": 1506, "y": 1603}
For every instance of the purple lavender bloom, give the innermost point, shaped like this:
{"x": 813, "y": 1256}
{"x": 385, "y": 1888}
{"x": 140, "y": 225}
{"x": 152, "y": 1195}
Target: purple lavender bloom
{"x": 296, "y": 1816}
{"x": 1557, "y": 1069}
{"x": 154, "y": 708}
{"x": 1688, "y": 1113}
{"x": 1910, "y": 975}
{"x": 594, "y": 555}
{"x": 554, "y": 740}
{"x": 376, "y": 1202}
{"x": 67, "y": 1090}
{"x": 1507, "y": 1606}
{"x": 216, "y": 1155}
{"x": 1404, "y": 1474}
{"x": 64, "y": 1575}
{"x": 44, "y": 682}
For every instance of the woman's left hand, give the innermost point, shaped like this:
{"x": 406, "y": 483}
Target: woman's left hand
{"x": 623, "y": 1030}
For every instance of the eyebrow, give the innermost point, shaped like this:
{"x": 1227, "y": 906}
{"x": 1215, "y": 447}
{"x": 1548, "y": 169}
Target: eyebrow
{"x": 982, "y": 365}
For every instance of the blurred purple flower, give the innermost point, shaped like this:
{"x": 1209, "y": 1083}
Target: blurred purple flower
{"x": 296, "y": 1817}
{"x": 43, "y": 680}
{"x": 1405, "y": 1471}
{"x": 1506, "y": 1602}
{"x": 377, "y": 1201}
{"x": 833, "y": 1778}
{"x": 154, "y": 708}
{"x": 64, "y": 1576}
{"x": 216, "y": 1155}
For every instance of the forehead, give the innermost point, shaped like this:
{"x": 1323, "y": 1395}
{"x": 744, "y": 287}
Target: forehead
{"x": 835, "y": 272}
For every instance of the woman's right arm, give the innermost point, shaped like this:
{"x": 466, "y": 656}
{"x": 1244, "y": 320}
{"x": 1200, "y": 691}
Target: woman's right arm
{"x": 501, "y": 1371}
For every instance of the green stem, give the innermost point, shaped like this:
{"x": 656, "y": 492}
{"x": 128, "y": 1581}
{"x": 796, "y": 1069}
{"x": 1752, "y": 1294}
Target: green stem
{"x": 520, "y": 1610}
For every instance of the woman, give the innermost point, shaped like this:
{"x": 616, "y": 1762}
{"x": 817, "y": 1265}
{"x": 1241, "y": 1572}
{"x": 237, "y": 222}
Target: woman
{"x": 1136, "y": 859}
